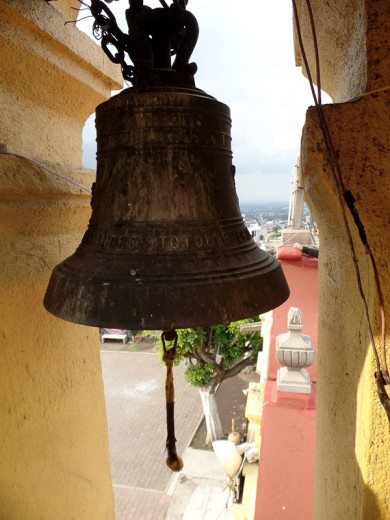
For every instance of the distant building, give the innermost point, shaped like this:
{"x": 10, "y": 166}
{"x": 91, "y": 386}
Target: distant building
{"x": 295, "y": 214}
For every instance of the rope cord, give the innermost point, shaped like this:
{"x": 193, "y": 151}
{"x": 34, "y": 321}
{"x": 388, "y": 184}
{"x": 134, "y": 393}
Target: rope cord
{"x": 297, "y": 234}
{"x": 174, "y": 462}
{"x": 53, "y": 172}
{"x": 382, "y": 89}
{"x": 345, "y": 198}
{"x": 317, "y": 56}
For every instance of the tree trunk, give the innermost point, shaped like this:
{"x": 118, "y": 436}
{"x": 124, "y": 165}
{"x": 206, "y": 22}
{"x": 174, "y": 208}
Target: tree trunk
{"x": 211, "y": 415}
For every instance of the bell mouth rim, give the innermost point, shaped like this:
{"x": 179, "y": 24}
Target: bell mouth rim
{"x": 161, "y": 306}
{"x": 103, "y": 267}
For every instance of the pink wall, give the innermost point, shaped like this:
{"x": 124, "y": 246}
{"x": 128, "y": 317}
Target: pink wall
{"x": 286, "y": 466}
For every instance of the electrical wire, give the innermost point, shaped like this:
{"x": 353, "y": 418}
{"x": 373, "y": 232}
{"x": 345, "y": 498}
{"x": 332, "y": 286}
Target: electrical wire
{"x": 298, "y": 233}
{"x": 317, "y": 56}
{"x": 377, "y": 90}
{"x": 345, "y": 198}
{"x": 53, "y": 172}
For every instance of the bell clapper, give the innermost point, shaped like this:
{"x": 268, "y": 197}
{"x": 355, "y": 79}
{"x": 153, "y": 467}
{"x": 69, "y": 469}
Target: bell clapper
{"x": 174, "y": 462}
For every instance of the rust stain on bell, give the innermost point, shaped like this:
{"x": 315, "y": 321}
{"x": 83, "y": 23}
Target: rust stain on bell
{"x": 166, "y": 245}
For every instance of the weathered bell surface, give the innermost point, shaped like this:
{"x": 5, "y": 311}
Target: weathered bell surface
{"x": 166, "y": 245}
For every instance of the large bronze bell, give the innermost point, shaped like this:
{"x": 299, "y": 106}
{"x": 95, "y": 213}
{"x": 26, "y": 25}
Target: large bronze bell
{"x": 166, "y": 245}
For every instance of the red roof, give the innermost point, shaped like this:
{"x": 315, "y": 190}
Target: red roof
{"x": 286, "y": 467}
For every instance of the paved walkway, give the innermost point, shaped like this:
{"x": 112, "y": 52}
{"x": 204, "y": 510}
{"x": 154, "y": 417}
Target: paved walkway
{"x": 199, "y": 492}
{"x": 145, "y": 489}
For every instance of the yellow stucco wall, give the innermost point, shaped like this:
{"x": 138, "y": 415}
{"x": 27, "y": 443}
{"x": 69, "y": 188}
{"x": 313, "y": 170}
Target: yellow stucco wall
{"x": 352, "y": 463}
{"x": 352, "y": 451}
{"x": 52, "y": 78}
{"x": 54, "y": 446}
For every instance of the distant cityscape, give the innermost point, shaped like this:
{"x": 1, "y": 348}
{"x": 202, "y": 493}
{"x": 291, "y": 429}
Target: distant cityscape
{"x": 254, "y": 211}
{"x": 266, "y": 220}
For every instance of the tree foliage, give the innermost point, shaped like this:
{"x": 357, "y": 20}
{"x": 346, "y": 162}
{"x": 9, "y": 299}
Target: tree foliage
{"x": 199, "y": 375}
{"x": 215, "y": 353}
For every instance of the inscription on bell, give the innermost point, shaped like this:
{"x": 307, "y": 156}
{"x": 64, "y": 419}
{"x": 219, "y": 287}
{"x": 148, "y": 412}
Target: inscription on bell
{"x": 165, "y": 242}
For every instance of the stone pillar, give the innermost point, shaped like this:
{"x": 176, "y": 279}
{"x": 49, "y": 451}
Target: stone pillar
{"x": 296, "y": 213}
{"x": 54, "y": 446}
{"x": 350, "y": 419}
{"x": 295, "y": 233}
{"x": 353, "y": 438}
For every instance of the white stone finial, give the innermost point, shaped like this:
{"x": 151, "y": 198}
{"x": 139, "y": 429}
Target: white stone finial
{"x": 294, "y": 319}
{"x": 294, "y": 351}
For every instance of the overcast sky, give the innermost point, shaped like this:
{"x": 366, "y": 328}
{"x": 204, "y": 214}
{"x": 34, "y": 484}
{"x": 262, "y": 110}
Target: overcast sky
{"x": 245, "y": 59}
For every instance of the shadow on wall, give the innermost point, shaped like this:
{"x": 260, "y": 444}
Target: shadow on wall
{"x": 371, "y": 507}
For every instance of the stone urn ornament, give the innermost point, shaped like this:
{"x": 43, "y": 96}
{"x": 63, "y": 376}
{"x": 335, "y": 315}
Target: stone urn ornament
{"x": 295, "y": 352}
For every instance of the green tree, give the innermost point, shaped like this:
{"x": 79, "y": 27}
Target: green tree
{"x": 213, "y": 354}
{"x": 275, "y": 231}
